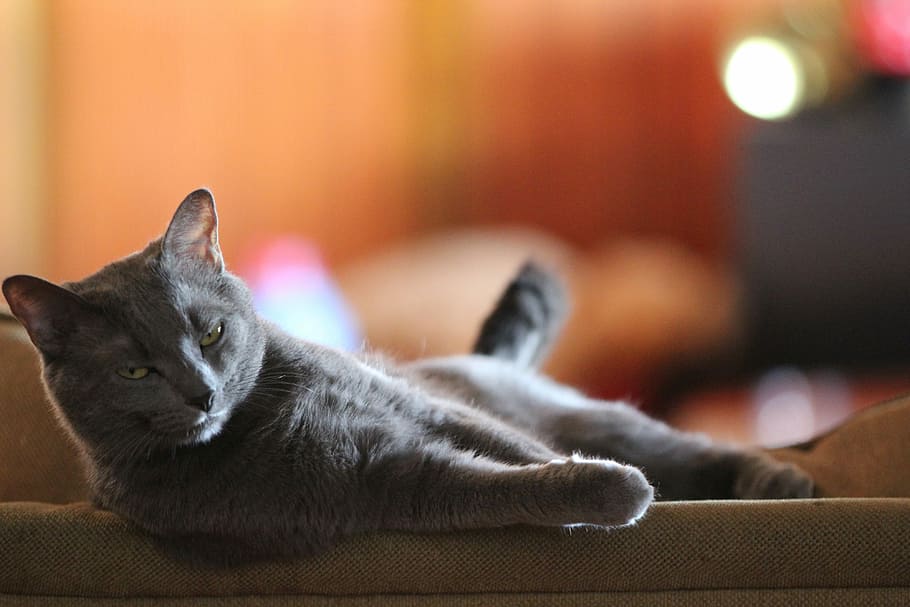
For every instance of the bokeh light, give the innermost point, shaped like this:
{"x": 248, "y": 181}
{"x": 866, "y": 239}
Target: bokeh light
{"x": 764, "y": 78}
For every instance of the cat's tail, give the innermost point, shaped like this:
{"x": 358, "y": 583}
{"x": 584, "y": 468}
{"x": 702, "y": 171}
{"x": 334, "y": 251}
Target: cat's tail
{"x": 527, "y": 318}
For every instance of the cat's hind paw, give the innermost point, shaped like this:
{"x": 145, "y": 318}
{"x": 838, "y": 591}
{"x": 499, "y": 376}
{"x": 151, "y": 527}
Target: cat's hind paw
{"x": 761, "y": 477}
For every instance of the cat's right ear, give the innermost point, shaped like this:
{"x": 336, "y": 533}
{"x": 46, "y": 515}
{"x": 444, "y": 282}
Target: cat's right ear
{"x": 49, "y": 313}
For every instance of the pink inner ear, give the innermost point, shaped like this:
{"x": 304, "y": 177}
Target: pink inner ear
{"x": 199, "y": 240}
{"x": 19, "y": 302}
{"x": 204, "y": 251}
{"x": 193, "y": 232}
{"x": 204, "y": 241}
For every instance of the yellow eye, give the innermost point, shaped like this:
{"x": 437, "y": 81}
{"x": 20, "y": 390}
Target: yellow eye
{"x": 212, "y": 336}
{"x": 133, "y": 372}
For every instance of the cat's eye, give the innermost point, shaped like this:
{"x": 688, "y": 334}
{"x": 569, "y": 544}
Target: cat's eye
{"x": 212, "y": 336}
{"x": 133, "y": 372}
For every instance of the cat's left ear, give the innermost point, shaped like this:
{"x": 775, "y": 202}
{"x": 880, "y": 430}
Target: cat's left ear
{"x": 193, "y": 232}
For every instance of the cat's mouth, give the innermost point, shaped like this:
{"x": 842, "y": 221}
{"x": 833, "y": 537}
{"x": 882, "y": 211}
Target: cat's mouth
{"x": 206, "y": 427}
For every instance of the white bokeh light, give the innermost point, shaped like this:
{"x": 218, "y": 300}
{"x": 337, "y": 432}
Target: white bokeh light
{"x": 764, "y": 78}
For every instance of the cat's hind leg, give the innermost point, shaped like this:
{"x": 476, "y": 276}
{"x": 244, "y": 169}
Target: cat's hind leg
{"x": 682, "y": 465}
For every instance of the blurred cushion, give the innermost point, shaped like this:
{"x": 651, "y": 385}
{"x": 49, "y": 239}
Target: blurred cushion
{"x": 639, "y": 304}
{"x": 428, "y": 297}
{"x": 866, "y": 456}
{"x": 38, "y": 461}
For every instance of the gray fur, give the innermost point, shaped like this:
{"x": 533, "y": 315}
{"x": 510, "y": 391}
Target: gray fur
{"x": 302, "y": 445}
{"x": 526, "y": 320}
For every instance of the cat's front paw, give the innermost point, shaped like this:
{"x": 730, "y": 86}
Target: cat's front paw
{"x": 761, "y": 477}
{"x": 603, "y": 492}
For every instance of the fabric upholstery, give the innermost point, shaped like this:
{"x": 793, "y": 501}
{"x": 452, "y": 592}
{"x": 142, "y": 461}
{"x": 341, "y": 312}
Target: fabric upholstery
{"x": 796, "y": 547}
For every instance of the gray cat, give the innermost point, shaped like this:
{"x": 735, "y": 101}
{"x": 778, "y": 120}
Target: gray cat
{"x": 230, "y": 441}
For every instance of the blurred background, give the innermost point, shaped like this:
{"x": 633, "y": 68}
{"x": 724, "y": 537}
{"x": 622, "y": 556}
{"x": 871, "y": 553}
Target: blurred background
{"x": 724, "y": 185}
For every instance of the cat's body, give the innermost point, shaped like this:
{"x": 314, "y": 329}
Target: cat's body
{"x": 229, "y": 440}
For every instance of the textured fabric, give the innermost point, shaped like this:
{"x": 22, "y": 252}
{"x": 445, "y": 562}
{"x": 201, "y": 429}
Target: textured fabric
{"x": 812, "y": 597}
{"x": 683, "y": 546}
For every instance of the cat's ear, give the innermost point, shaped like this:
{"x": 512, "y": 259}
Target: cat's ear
{"x": 49, "y": 313}
{"x": 193, "y": 232}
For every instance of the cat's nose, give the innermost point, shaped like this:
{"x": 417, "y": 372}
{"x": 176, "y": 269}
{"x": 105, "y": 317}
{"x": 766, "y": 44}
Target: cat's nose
{"x": 203, "y": 402}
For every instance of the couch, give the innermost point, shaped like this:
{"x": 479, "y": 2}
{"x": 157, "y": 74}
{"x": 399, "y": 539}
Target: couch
{"x": 851, "y": 545}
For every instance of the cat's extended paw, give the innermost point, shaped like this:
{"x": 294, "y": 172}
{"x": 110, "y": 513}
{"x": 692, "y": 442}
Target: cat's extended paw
{"x": 602, "y": 492}
{"x": 761, "y": 477}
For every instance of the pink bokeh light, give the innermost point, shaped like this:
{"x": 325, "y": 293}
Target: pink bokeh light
{"x": 883, "y": 34}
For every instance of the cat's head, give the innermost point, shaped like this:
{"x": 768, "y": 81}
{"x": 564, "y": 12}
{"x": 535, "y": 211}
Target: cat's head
{"x": 155, "y": 350}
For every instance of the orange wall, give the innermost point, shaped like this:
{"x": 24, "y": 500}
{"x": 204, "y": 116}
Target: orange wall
{"x": 291, "y": 111}
{"x": 22, "y": 212}
{"x": 359, "y": 124}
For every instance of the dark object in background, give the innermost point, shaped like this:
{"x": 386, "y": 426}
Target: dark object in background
{"x": 824, "y": 215}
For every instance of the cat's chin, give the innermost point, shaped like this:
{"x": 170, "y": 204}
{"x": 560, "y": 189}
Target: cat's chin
{"x": 205, "y": 429}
